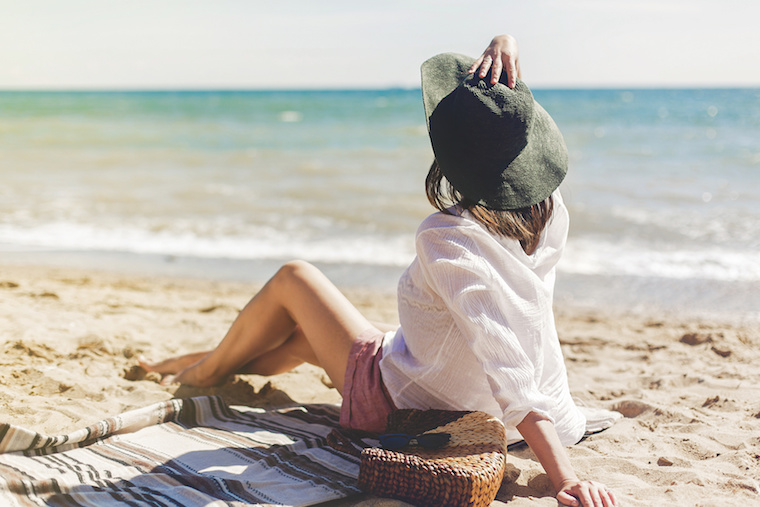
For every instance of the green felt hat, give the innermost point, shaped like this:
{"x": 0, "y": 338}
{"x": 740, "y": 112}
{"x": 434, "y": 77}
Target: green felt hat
{"x": 496, "y": 145}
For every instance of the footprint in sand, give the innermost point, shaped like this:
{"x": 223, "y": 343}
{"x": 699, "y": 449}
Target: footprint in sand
{"x": 632, "y": 408}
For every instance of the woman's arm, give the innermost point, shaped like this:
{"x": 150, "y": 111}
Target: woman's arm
{"x": 542, "y": 438}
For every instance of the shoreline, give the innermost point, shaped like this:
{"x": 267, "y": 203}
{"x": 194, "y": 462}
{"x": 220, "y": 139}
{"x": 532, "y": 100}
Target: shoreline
{"x": 732, "y": 302}
{"x": 689, "y": 388}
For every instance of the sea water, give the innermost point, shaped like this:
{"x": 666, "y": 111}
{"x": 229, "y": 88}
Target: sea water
{"x": 663, "y": 187}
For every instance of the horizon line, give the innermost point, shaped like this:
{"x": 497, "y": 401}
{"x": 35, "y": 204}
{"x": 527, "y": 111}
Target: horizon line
{"x": 222, "y": 89}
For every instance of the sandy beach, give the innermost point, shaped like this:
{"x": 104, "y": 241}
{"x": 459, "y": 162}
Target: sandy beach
{"x": 689, "y": 389}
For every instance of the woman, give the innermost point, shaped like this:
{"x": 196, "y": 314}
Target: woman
{"x": 477, "y": 330}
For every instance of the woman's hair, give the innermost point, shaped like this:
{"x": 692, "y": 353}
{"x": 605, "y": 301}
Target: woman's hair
{"x": 524, "y": 224}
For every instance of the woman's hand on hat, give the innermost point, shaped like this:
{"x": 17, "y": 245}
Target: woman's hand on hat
{"x": 500, "y": 55}
{"x": 586, "y": 494}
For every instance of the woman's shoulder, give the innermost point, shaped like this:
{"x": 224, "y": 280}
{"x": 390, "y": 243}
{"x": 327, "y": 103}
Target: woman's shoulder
{"x": 451, "y": 235}
{"x": 451, "y": 221}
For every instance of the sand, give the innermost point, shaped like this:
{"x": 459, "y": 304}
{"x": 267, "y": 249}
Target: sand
{"x": 689, "y": 389}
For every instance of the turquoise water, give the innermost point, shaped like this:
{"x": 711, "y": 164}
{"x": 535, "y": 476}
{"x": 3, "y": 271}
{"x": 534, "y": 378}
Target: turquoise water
{"x": 663, "y": 186}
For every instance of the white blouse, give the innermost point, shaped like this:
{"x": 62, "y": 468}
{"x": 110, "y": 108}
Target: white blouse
{"x": 477, "y": 328}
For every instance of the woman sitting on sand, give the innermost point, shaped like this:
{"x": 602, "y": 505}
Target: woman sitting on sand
{"x": 477, "y": 329}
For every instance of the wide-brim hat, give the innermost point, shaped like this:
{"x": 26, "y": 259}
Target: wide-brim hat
{"x": 495, "y": 145}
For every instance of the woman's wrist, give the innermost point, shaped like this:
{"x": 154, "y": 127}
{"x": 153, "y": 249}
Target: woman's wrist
{"x": 542, "y": 438}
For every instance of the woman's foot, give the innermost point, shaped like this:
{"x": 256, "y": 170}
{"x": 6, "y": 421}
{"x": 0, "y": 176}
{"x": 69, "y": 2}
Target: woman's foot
{"x": 195, "y": 376}
{"x": 173, "y": 365}
{"x": 186, "y": 369}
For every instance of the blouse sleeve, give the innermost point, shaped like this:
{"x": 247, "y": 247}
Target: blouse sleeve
{"x": 462, "y": 275}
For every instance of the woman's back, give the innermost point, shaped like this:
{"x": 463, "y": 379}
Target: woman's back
{"x": 477, "y": 328}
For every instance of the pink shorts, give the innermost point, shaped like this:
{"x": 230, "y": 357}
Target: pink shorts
{"x": 366, "y": 403}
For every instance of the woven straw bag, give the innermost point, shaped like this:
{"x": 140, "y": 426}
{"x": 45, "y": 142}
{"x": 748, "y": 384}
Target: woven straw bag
{"x": 466, "y": 472}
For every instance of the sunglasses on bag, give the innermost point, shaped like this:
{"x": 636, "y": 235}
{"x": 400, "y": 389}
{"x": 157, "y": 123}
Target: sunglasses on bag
{"x": 396, "y": 441}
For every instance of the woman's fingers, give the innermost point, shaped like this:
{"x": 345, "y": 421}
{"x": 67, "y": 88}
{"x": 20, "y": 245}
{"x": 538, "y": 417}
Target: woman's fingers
{"x": 475, "y": 65}
{"x": 586, "y": 494}
{"x": 501, "y": 55}
{"x": 513, "y": 71}
{"x": 608, "y": 498}
{"x": 496, "y": 69}
{"x": 565, "y": 498}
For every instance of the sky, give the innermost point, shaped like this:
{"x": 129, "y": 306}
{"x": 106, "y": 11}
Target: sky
{"x": 306, "y": 44}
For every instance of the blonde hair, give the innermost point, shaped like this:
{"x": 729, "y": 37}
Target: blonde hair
{"x": 524, "y": 224}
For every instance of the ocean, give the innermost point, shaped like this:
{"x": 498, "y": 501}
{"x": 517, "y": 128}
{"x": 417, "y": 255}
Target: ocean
{"x": 663, "y": 188}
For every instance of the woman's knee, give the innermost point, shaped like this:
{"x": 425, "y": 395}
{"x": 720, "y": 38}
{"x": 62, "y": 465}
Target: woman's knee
{"x": 298, "y": 266}
{"x": 297, "y": 272}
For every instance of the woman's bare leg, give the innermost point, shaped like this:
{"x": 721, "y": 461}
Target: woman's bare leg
{"x": 173, "y": 365}
{"x": 295, "y": 351}
{"x": 298, "y": 297}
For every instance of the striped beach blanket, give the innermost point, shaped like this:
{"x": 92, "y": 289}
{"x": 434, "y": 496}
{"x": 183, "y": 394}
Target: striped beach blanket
{"x": 181, "y": 453}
